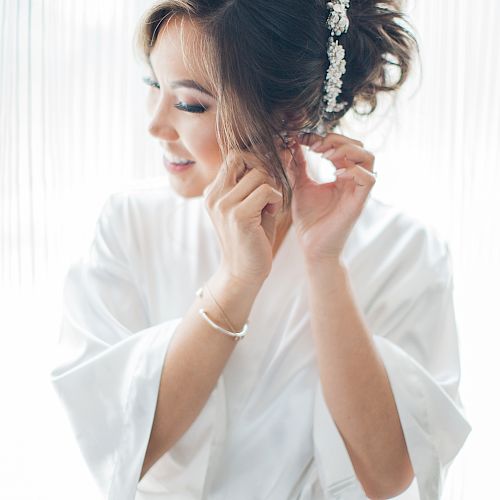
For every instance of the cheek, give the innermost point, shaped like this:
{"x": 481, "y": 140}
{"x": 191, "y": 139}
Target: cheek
{"x": 203, "y": 144}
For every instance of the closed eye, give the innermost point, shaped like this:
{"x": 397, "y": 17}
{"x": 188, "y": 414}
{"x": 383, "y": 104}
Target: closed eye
{"x": 189, "y": 108}
{"x": 180, "y": 105}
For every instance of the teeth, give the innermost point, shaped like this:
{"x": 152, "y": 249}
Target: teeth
{"x": 178, "y": 160}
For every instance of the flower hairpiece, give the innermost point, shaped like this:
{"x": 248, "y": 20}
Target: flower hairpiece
{"x": 338, "y": 22}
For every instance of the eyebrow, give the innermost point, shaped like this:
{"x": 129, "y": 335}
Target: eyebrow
{"x": 186, "y": 83}
{"x": 190, "y": 84}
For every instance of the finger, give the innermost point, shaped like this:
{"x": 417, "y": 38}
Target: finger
{"x": 236, "y": 165}
{"x": 348, "y": 154}
{"x": 233, "y": 168}
{"x": 362, "y": 178}
{"x": 252, "y": 205}
{"x": 208, "y": 189}
{"x": 321, "y": 144}
{"x": 248, "y": 183}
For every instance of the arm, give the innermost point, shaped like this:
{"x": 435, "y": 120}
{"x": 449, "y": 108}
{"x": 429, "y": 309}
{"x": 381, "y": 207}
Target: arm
{"x": 195, "y": 360}
{"x": 355, "y": 384}
{"x": 411, "y": 325}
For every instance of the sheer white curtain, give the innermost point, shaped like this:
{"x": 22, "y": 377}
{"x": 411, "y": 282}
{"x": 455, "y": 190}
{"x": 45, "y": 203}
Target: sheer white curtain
{"x": 73, "y": 129}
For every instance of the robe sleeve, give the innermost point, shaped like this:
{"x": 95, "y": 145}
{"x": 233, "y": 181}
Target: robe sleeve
{"x": 415, "y": 333}
{"x": 109, "y": 358}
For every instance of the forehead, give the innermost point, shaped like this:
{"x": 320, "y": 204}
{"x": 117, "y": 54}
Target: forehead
{"x": 175, "y": 47}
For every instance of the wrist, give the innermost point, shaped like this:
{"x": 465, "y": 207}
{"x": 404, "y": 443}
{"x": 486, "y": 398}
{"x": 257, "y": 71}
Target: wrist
{"x": 225, "y": 277}
{"x": 331, "y": 271}
{"x": 228, "y": 301}
{"x": 329, "y": 264}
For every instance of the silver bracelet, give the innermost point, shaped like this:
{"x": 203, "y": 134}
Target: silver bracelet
{"x": 235, "y": 335}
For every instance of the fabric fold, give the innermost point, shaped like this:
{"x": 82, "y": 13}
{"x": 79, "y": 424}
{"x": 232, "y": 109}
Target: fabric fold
{"x": 415, "y": 333}
{"x": 110, "y": 400}
{"x": 123, "y": 304}
{"x": 434, "y": 426}
{"x": 110, "y": 359}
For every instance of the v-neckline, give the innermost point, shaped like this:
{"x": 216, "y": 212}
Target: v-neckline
{"x": 282, "y": 244}
{"x": 283, "y": 240}
{"x": 286, "y": 262}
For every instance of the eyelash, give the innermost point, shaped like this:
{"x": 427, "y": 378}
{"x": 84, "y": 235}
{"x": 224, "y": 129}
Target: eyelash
{"x": 182, "y": 106}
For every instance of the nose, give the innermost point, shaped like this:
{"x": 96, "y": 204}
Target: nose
{"x": 160, "y": 125}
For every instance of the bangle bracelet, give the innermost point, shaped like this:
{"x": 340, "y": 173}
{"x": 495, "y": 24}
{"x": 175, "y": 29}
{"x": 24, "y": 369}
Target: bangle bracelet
{"x": 235, "y": 335}
{"x": 220, "y": 308}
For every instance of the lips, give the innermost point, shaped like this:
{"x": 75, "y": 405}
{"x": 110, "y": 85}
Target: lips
{"x": 177, "y": 159}
{"x": 176, "y": 167}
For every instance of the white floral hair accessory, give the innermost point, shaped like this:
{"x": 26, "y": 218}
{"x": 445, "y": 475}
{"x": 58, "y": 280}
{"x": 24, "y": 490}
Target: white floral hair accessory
{"x": 338, "y": 22}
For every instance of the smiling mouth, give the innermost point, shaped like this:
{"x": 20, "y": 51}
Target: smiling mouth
{"x": 177, "y": 161}
{"x": 174, "y": 167}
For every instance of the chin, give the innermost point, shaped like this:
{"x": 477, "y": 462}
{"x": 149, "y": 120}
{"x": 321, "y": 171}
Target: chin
{"x": 186, "y": 190}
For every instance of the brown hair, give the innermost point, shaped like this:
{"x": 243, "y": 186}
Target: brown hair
{"x": 267, "y": 60}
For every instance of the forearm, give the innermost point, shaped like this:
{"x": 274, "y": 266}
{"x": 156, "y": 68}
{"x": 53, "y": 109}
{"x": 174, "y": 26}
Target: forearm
{"x": 194, "y": 361}
{"x": 355, "y": 384}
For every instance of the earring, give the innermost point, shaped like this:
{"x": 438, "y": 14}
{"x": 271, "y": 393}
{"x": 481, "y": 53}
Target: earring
{"x": 288, "y": 141}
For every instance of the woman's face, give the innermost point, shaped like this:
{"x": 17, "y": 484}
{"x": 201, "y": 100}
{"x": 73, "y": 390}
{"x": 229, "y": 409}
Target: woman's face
{"x": 182, "y": 117}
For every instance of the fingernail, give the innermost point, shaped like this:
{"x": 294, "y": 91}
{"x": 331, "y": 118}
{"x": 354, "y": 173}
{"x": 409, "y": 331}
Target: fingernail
{"x": 316, "y": 144}
{"x": 340, "y": 172}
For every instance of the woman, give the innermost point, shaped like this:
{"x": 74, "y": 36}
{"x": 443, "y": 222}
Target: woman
{"x": 346, "y": 383}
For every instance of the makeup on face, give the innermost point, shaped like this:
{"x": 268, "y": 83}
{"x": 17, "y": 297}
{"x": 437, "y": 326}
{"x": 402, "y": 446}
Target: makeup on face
{"x": 176, "y": 168}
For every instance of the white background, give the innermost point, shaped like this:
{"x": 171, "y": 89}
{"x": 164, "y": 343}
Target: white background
{"x": 73, "y": 130}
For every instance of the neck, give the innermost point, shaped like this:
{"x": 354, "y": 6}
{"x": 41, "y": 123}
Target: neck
{"x": 283, "y": 226}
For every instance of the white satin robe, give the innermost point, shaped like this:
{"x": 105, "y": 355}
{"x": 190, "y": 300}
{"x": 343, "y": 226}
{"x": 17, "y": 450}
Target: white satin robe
{"x": 265, "y": 432}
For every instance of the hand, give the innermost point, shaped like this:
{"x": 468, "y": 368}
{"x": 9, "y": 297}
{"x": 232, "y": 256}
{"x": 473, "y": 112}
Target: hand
{"x": 324, "y": 214}
{"x": 242, "y": 202}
